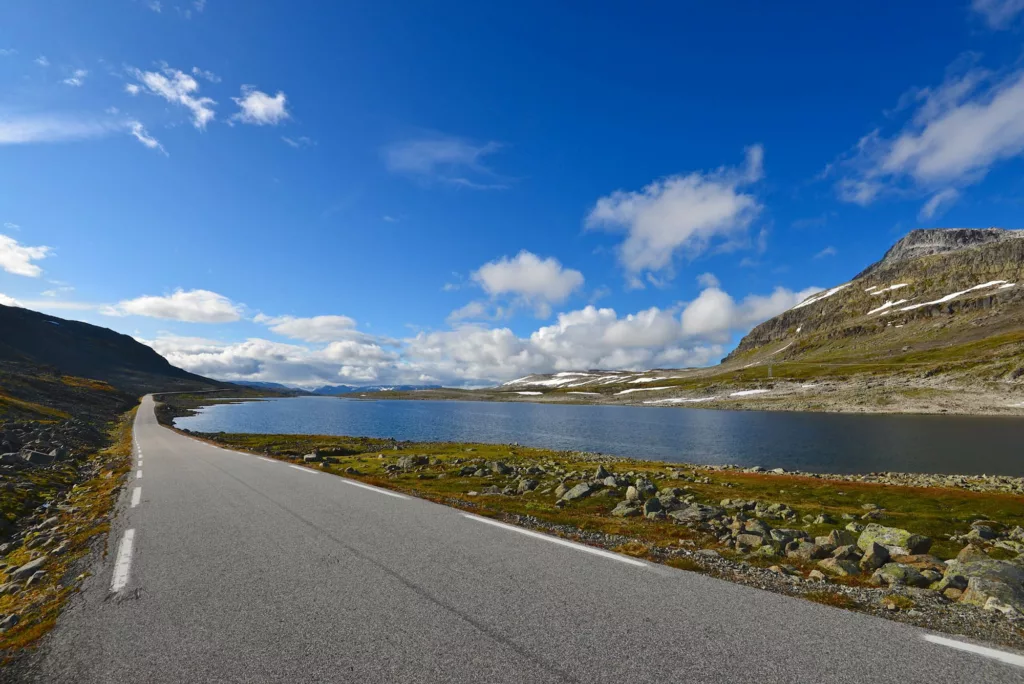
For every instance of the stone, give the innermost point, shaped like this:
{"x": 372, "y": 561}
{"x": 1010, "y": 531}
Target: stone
{"x": 580, "y": 491}
{"x": 750, "y": 541}
{"x": 601, "y": 473}
{"x": 897, "y": 573}
{"x": 645, "y": 487}
{"x": 632, "y": 493}
{"x": 652, "y": 506}
{"x": 528, "y": 485}
{"x": 838, "y": 567}
{"x": 824, "y": 519}
{"x": 499, "y": 468}
{"x": 697, "y": 513}
{"x": 841, "y": 538}
{"x": 847, "y": 553}
{"x": 922, "y": 562}
{"x": 560, "y": 490}
{"x": 817, "y": 575}
{"x": 971, "y": 552}
{"x": 875, "y": 556}
{"x": 610, "y": 481}
{"x": 898, "y": 542}
{"x": 407, "y": 462}
{"x": 808, "y": 551}
{"x": 28, "y": 568}
{"x": 626, "y": 509}
{"x": 7, "y": 622}
{"x": 855, "y": 527}
{"x": 784, "y": 536}
{"x": 988, "y": 578}
{"x": 757, "y": 527}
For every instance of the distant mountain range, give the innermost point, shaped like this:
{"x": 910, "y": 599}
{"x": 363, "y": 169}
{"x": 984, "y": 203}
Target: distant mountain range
{"x": 332, "y": 390}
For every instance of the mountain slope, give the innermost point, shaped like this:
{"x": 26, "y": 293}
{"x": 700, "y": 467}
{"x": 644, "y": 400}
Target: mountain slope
{"x": 33, "y": 343}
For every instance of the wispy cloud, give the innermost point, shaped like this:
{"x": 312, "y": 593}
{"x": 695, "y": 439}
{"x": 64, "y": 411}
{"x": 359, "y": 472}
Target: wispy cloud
{"x": 179, "y": 88}
{"x": 44, "y": 128}
{"x": 827, "y": 252}
{"x": 938, "y": 203}
{"x": 7, "y": 52}
{"x": 445, "y": 159}
{"x": 297, "y": 143}
{"x": 155, "y": 5}
{"x": 998, "y": 14}
{"x": 42, "y": 61}
{"x": 77, "y": 78}
{"x": 138, "y": 131}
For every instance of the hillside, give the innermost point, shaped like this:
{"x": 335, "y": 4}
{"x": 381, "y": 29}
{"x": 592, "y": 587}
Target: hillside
{"x": 935, "y": 326}
{"x": 52, "y": 368}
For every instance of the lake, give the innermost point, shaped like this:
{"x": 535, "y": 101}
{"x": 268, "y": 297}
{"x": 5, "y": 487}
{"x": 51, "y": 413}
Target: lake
{"x": 815, "y": 442}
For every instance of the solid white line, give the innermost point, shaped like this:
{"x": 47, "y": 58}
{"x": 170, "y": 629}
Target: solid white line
{"x": 374, "y": 489}
{"x": 1003, "y": 656}
{"x": 268, "y": 460}
{"x": 138, "y": 475}
{"x": 124, "y": 561}
{"x": 136, "y": 496}
{"x": 305, "y": 470}
{"x": 556, "y": 540}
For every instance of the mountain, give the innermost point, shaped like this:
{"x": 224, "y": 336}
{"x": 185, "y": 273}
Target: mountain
{"x": 936, "y": 325}
{"x": 334, "y": 390}
{"x": 274, "y": 386}
{"x": 41, "y": 356}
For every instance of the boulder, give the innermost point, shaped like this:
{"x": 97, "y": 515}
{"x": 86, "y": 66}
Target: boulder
{"x": 897, "y": 573}
{"x": 499, "y": 468}
{"x": 560, "y": 490}
{"x": 652, "y": 506}
{"x": 838, "y": 567}
{"x": 841, "y": 538}
{"x": 986, "y": 578}
{"x": 875, "y": 556}
{"x": 896, "y": 541}
{"x": 601, "y": 473}
{"x": 808, "y": 551}
{"x": 29, "y": 568}
{"x": 750, "y": 541}
{"x": 697, "y": 513}
{"x": 528, "y": 485}
{"x": 646, "y": 487}
{"x": 784, "y": 535}
{"x": 847, "y": 553}
{"x": 580, "y": 491}
{"x": 626, "y": 509}
{"x": 632, "y": 493}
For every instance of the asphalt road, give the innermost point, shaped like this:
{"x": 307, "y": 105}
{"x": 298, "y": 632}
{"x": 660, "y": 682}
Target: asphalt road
{"x": 243, "y": 569}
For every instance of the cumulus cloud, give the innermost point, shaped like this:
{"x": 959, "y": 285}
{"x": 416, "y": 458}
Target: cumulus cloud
{"x": 260, "y": 109}
{"x": 445, "y": 159}
{"x": 178, "y": 88}
{"x": 998, "y": 14}
{"x": 191, "y": 306}
{"x": 8, "y": 301}
{"x": 951, "y": 137}
{"x": 19, "y": 259}
{"x": 138, "y": 131}
{"x": 535, "y": 281}
{"x": 683, "y": 213}
{"x": 331, "y": 349}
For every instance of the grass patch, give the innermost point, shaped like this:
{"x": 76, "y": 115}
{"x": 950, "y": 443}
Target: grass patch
{"x": 834, "y": 599}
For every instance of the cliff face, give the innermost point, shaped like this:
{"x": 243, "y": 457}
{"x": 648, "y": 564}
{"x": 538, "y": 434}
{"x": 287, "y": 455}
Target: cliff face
{"x": 932, "y": 288}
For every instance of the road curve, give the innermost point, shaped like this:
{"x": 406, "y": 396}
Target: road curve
{"x": 243, "y": 569}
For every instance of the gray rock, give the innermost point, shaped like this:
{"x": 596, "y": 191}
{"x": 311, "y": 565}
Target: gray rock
{"x": 838, "y": 567}
{"x": 7, "y": 622}
{"x": 841, "y": 538}
{"x": 646, "y": 487}
{"x": 784, "y": 535}
{"x": 751, "y": 541}
{"x": 875, "y": 556}
{"x": 580, "y": 491}
{"x": 898, "y": 573}
{"x": 610, "y": 481}
{"x": 28, "y": 568}
{"x": 499, "y": 468}
{"x": 898, "y": 542}
{"x": 986, "y": 578}
{"x": 560, "y": 490}
{"x": 847, "y": 553}
{"x": 601, "y": 473}
{"x": 809, "y": 551}
{"x": 528, "y": 485}
{"x": 653, "y": 506}
{"x": 697, "y": 513}
{"x": 632, "y": 493}
{"x": 626, "y": 509}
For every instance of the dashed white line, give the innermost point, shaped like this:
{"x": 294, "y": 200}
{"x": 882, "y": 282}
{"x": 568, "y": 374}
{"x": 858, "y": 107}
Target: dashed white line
{"x": 1002, "y": 656}
{"x": 305, "y": 470}
{"x": 136, "y": 496}
{"x": 268, "y": 460}
{"x": 556, "y": 540}
{"x": 123, "y": 565}
{"x": 138, "y": 474}
{"x": 374, "y": 489}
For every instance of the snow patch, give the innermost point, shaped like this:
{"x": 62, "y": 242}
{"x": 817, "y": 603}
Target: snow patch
{"x": 888, "y": 305}
{"x": 747, "y": 393}
{"x": 817, "y": 298}
{"x": 594, "y": 393}
{"x": 680, "y": 401}
{"x": 889, "y": 289}
{"x": 530, "y": 394}
{"x": 640, "y": 380}
{"x": 954, "y": 295}
{"x": 643, "y": 389}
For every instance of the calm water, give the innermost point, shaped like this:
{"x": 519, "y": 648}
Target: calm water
{"x": 816, "y": 442}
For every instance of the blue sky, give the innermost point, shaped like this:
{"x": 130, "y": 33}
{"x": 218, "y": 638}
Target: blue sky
{"x": 464, "y": 192}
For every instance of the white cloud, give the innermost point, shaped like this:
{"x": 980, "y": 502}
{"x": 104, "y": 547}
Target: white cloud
{"x": 138, "y": 131}
{"x": 715, "y": 316}
{"x": 998, "y": 14}
{"x": 475, "y": 310}
{"x": 204, "y": 73}
{"x": 77, "y": 77}
{"x": 7, "y": 52}
{"x": 132, "y": 88}
{"x": 261, "y": 109}
{"x": 953, "y": 136}
{"x": 57, "y": 291}
{"x": 313, "y": 329}
{"x": 445, "y": 159}
{"x": 8, "y": 301}
{"x": 42, "y": 61}
{"x": 11, "y": 226}
{"x": 535, "y": 281}
{"x": 301, "y": 141}
{"x": 42, "y": 128}
{"x": 178, "y": 88}
{"x": 827, "y": 252}
{"x": 938, "y": 203}
{"x": 18, "y": 259}
{"x": 155, "y": 6}
{"x": 192, "y": 306}
{"x": 680, "y": 214}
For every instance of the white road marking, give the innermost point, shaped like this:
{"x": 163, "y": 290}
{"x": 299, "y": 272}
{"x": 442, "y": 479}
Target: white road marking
{"x": 136, "y": 496}
{"x": 124, "y": 561}
{"x": 374, "y": 489}
{"x": 1003, "y": 656}
{"x": 268, "y": 460}
{"x": 138, "y": 475}
{"x": 305, "y": 470}
{"x": 556, "y": 540}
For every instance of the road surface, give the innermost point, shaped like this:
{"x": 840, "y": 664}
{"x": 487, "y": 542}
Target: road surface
{"x": 244, "y": 569}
